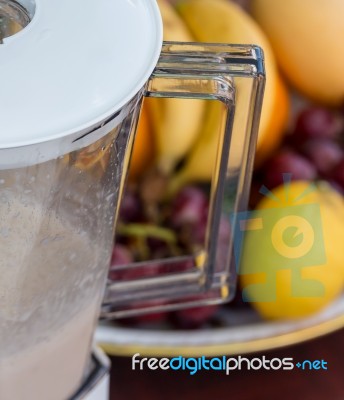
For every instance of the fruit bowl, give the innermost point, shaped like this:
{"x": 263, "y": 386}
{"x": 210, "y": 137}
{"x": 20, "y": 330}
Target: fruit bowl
{"x": 232, "y": 329}
{"x": 312, "y": 151}
{"x": 238, "y": 332}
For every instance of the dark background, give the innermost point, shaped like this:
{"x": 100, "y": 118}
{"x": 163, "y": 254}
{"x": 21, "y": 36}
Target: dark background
{"x": 127, "y": 384}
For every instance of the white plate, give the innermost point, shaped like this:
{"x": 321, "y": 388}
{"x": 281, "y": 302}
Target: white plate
{"x": 243, "y": 332}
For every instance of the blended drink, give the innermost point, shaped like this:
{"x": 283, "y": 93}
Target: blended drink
{"x": 50, "y": 290}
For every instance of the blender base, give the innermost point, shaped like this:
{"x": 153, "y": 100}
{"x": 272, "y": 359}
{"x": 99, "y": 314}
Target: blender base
{"x": 96, "y": 385}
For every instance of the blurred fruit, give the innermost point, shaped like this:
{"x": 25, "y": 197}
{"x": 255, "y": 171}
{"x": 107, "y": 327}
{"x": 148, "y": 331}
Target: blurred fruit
{"x": 189, "y": 215}
{"x": 175, "y": 122}
{"x": 173, "y": 26}
{"x": 199, "y": 164}
{"x": 305, "y": 36}
{"x": 188, "y": 206}
{"x": 152, "y": 317}
{"x": 192, "y": 318}
{"x": 278, "y": 262}
{"x": 121, "y": 266}
{"x": 120, "y": 256}
{"x": 130, "y": 208}
{"x": 317, "y": 122}
{"x": 338, "y": 174}
{"x": 270, "y": 138}
{"x": 221, "y": 21}
{"x": 143, "y": 148}
{"x": 287, "y": 162}
{"x": 324, "y": 154}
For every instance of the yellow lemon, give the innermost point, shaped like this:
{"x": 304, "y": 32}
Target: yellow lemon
{"x": 292, "y": 262}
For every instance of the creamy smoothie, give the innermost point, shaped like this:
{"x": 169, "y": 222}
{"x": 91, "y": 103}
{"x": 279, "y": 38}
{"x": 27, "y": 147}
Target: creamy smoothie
{"x": 51, "y": 281}
{"x": 52, "y": 369}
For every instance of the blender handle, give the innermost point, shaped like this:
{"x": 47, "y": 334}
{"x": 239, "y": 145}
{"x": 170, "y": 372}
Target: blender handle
{"x": 234, "y": 76}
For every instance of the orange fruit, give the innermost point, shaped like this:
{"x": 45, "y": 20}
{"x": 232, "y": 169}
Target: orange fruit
{"x": 143, "y": 147}
{"x": 271, "y": 135}
{"x": 142, "y": 154}
{"x": 305, "y": 36}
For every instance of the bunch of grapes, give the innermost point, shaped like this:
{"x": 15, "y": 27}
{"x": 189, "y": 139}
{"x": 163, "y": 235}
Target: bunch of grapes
{"x": 153, "y": 228}
{"x": 313, "y": 150}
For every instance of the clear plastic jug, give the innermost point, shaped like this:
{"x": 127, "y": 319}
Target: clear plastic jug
{"x": 69, "y": 104}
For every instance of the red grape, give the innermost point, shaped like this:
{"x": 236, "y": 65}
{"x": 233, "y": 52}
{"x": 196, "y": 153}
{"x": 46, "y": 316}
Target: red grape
{"x": 338, "y": 174}
{"x": 287, "y": 162}
{"x": 189, "y": 216}
{"x": 323, "y": 153}
{"x": 177, "y": 266}
{"x": 189, "y": 206}
{"x": 317, "y": 122}
{"x": 192, "y": 318}
{"x": 198, "y": 230}
{"x": 153, "y": 317}
{"x": 120, "y": 255}
{"x": 130, "y": 209}
{"x": 336, "y": 186}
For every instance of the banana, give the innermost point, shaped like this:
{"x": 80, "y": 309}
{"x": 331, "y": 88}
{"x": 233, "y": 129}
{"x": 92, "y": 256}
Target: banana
{"x": 174, "y": 27}
{"x": 221, "y": 21}
{"x": 200, "y": 163}
{"x": 175, "y": 122}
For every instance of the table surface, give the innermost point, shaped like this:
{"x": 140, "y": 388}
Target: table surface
{"x": 127, "y": 384}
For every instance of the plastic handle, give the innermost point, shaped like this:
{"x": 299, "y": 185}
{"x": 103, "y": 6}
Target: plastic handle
{"x": 234, "y": 76}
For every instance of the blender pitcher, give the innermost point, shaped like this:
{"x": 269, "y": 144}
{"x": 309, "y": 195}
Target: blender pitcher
{"x": 73, "y": 75}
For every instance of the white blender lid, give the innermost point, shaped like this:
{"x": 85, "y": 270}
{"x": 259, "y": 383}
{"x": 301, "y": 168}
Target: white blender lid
{"x": 75, "y": 64}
